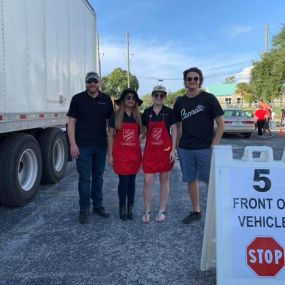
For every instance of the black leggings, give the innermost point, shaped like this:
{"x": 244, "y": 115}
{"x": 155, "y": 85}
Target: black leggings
{"x": 260, "y": 125}
{"x": 126, "y": 189}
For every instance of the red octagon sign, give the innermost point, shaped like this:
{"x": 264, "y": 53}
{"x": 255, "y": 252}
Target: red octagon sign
{"x": 265, "y": 256}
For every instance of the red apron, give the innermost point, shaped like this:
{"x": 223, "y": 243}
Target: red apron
{"x": 127, "y": 150}
{"x": 156, "y": 156}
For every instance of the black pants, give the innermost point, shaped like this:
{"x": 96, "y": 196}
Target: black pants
{"x": 260, "y": 125}
{"x": 126, "y": 189}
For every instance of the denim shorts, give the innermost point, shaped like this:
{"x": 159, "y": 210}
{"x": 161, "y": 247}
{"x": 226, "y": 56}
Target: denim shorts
{"x": 195, "y": 164}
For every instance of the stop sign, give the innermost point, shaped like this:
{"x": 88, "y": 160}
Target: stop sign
{"x": 265, "y": 256}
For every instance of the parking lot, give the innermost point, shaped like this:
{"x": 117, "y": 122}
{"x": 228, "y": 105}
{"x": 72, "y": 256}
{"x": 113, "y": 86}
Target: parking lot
{"x": 43, "y": 243}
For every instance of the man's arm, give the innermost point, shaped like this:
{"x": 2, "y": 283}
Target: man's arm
{"x": 111, "y": 136}
{"x": 174, "y": 140}
{"x": 179, "y": 133}
{"x": 74, "y": 150}
{"x": 219, "y": 131}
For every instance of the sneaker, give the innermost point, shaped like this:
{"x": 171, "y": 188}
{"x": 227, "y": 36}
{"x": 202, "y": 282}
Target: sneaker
{"x": 84, "y": 217}
{"x": 193, "y": 216}
{"x": 101, "y": 211}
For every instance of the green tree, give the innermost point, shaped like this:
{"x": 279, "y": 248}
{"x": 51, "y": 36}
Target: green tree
{"x": 114, "y": 83}
{"x": 171, "y": 97}
{"x": 245, "y": 91}
{"x": 147, "y": 101}
{"x": 268, "y": 74}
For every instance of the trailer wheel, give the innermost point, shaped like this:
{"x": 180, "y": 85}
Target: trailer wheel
{"x": 54, "y": 149}
{"x": 20, "y": 168}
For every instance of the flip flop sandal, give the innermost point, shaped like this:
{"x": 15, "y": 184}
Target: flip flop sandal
{"x": 160, "y": 217}
{"x": 146, "y": 217}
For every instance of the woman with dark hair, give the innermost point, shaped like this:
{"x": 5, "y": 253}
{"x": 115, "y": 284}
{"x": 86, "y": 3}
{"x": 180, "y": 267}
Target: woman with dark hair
{"x": 124, "y": 148}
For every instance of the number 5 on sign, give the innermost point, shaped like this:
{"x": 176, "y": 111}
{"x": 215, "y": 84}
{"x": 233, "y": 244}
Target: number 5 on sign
{"x": 245, "y": 218}
{"x": 259, "y": 175}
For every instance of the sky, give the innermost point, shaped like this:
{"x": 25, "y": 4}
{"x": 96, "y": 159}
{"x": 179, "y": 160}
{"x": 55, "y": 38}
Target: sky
{"x": 221, "y": 37}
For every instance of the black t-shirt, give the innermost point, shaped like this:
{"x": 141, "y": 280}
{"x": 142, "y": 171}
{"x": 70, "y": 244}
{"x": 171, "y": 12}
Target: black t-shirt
{"x": 166, "y": 113}
{"x": 91, "y": 115}
{"x": 126, "y": 119}
{"x": 197, "y": 115}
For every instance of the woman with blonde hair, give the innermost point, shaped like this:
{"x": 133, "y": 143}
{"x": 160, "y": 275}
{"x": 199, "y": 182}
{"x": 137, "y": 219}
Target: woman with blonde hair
{"x": 124, "y": 148}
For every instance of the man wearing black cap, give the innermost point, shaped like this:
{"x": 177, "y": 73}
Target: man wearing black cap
{"x": 87, "y": 116}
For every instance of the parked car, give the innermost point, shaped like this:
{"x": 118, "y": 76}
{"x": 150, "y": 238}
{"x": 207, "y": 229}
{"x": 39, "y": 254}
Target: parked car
{"x": 249, "y": 112}
{"x": 238, "y": 122}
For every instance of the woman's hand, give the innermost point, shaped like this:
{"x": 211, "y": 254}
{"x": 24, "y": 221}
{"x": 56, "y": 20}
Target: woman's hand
{"x": 172, "y": 155}
{"x": 111, "y": 160}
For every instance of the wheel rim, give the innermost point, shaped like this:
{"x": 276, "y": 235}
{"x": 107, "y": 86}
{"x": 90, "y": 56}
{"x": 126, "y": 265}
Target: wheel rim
{"x": 58, "y": 155}
{"x": 27, "y": 169}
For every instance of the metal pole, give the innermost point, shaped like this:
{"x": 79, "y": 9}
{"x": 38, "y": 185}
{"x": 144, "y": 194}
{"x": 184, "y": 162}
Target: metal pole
{"x": 98, "y": 56}
{"x": 128, "y": 59}
{"x": 266, "y": 37}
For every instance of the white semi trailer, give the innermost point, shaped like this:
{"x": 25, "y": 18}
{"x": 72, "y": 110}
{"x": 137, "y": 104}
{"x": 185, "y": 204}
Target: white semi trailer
{"x": 46, "y": 48}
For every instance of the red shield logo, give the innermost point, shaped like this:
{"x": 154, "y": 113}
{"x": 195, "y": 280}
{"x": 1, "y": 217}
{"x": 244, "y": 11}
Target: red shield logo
{"x": 156, "y": 134}
{"x": 128, "y": 135}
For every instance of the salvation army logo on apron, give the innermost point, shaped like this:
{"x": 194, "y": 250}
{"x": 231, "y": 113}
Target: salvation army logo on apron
{"x": 156, "y": 157}
{"x": 156, "y": 136}
{"x": 127, "y": 150}
{"x": 128, "y": 135}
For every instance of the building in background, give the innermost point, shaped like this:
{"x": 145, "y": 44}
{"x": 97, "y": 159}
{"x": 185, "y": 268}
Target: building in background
{"x": 228, "y": 98}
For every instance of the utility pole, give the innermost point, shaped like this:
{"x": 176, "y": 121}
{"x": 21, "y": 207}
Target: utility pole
{"x": 98, "y": 55}
{"x": 266, "y": 37}
{"x": 128, "y": 58}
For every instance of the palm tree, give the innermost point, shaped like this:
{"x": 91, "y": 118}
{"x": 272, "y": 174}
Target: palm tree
{"x": 243, "y": 89}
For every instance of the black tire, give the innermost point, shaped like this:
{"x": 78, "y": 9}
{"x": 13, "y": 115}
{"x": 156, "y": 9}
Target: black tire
{"x": 247, "y": 135}
{"x": 20, "y": 169}
{"x": 54, "y": 150}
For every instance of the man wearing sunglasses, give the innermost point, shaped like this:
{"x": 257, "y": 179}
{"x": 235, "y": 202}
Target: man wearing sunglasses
{"x": 196, "y": 112}
{"x": 87, "y": 123}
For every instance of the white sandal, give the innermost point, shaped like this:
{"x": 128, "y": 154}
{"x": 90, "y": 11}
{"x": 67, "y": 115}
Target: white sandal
{"x": 146, "y": 217}
{"x": 160, "y": 217}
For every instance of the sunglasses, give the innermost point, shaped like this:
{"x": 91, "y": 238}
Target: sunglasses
{"x": 158, "y": 95}
{"x": 128, "y": 98}
{"x": 92, "y": 80}
{"x": 189, "y": 79}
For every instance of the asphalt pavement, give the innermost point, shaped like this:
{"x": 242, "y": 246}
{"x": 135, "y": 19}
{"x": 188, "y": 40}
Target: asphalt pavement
{"x": 43, "y": 242}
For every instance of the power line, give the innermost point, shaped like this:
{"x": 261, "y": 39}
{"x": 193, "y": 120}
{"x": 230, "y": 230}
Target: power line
{"x": 167, "y": 79}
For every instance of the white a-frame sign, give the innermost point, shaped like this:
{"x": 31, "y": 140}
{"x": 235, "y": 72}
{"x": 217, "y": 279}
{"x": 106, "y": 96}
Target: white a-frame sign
{"x": 244, "y": 236}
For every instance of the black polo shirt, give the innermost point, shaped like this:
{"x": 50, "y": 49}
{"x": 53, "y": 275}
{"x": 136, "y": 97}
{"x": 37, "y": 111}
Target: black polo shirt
{"x": 166, "y": 112}
{"x": 91, "y": 115}
{"x": 126, "y": 119}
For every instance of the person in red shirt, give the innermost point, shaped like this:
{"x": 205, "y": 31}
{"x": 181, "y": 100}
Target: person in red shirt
{"x": 124, "y": 148}
{"x": 261, "y": 116}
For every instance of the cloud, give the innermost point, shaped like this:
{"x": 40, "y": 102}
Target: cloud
{"x": 236, "y": 31}
{"x": 244, "y": 75}
{"x": 152, "y": 61}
